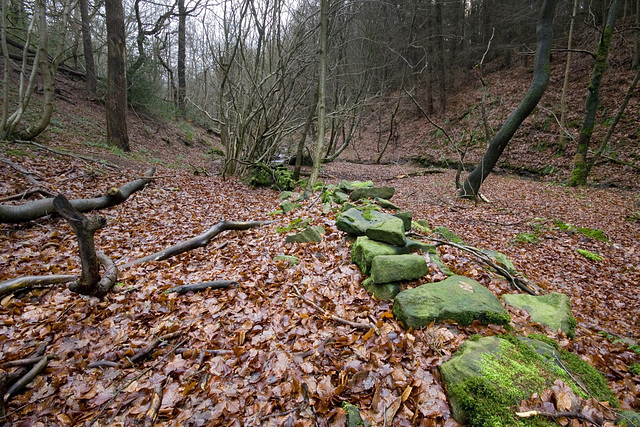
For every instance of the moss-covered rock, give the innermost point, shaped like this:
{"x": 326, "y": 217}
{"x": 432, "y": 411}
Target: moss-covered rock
{"x": 384, "y": 291}
{"x": 488, "y": 377}
{"x": 384, "y": 203}
{"x": 457, "y": 298}
{"x": 308, "y": 235}
{"x": 353, "y": 415}
{"x": 553, "y": 310}
{"x": 628, "y": 418}
{"x": 372, "y": 193}
{"x": 288, "y": 206}
{"x": 364, "y": 250}
{"x": 406, "y": 217}
{"x": 348, "y": 187}
{"x": 390, "y": 231}
{"x": 447, "y": 234}
{"x": 395, "y": 268}
{"x": 356, "y": 222}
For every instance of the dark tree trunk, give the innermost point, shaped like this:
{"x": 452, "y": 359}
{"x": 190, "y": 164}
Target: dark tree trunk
{"x": 580, "y": 170}
{"x": 116, "y": 97}
{"x": 90, "y": 69}
{"x": 541, "y": 73}
{"x": 182, "y": 80}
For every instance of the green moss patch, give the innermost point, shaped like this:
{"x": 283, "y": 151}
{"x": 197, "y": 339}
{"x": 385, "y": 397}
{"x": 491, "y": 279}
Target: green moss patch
{"x": 488, "y": 377}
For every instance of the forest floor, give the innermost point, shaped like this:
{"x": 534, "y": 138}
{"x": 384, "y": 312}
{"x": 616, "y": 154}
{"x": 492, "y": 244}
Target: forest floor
{"x": 258, "y": 353}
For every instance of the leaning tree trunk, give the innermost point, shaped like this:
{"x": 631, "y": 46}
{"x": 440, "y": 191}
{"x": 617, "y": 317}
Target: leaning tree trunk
{"x": 541, "y": 72}
{"x": 580, "y": 168}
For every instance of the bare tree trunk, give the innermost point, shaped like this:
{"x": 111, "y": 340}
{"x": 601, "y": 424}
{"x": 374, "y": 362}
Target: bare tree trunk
{"x": 322, "y": 77}
{"x": 182, "y": 80}
{"x": 636, "y": 38}
{"x": 580, "y": 170}
{"x": 117, "y": 133}
{"x": 6, "y": 70}
{"x": 567, "y": 69}
{"x": 87, "y": 45}
{"x": 541, "y": 74}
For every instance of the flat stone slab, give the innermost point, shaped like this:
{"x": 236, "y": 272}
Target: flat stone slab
{"x": 356, "y": 222}
{"x": 364, "y": 250}
{"x": 395, "y": 268}
{"x": 553, "y": 310}
{"x": 372, "y": 193}
{"x": 390, "y": 231}
{"x": 457, "y": 298}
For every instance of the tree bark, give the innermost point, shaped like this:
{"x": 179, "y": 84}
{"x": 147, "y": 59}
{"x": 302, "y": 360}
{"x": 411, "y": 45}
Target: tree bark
{"x": 87, "y": 46}
{"x": 636, "y": 39}
{"x": 580, "y": 168}
{"x": 182, "y": 49}
{"x": 84, "y": 228}
{"x": 541, "y": 74}
{"x": 322, "y": 77}
{"x": 39, "y": 208}
{"x": 116, "y": 97}
{"x": 567, "y": 69}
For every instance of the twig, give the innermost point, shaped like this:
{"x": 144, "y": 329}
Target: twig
{"x": 151, "y": 415}
{"x": 136, "y": 378}
{"x": 27, "y": 378}
{"x": 25, "y": 194}
{"x": 303, "y": 405}
{"x": 148, "y": 349}
{"x": 361, "y": 326}
{"x": 64, "y": 153}
{"x": 319, "y": 348}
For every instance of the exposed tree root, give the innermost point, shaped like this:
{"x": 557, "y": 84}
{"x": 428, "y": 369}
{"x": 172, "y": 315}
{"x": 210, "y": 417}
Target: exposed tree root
{"x": 138, "y": 356}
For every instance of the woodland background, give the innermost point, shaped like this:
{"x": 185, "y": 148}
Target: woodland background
{"x": 214, "y": 89}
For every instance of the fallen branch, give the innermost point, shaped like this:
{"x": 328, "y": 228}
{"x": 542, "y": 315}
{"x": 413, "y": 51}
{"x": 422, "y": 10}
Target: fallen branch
{"x": 24, "y": 362}
{"x": 151, "y": 415}
{"x": 28, "y": 193}
{"x": 195, "y": 287}
{"x": 27, "y": 378}
{"x": 27, "y": 282}
{"x": 198, "y": 241}
{"x": 39, "y": 208}
{"x": 516, "y": 282}
{"x": 319, "y": 348}
{"x": 64, "y": 153}
{"x": 139, "y": 355}
{"x": 130, "y": 361}
{"x": 356, "y": 325}
{"x": 109, "y": 276}
{"x": 136, "y": 378}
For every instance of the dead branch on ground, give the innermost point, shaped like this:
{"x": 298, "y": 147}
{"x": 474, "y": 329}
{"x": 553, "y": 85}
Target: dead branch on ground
{"x": 64, "y": 153}
{"x": 28, "y": 282}
{"x": 195, "y": 287}
{"x": 39, "y": 208}
{"x": 515, "y": 281}
{"x": 128, "y": 362}
{"x": 198, "y": 241}
{"x": 136, "y": 378}
{"x": 356, "y": 325}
